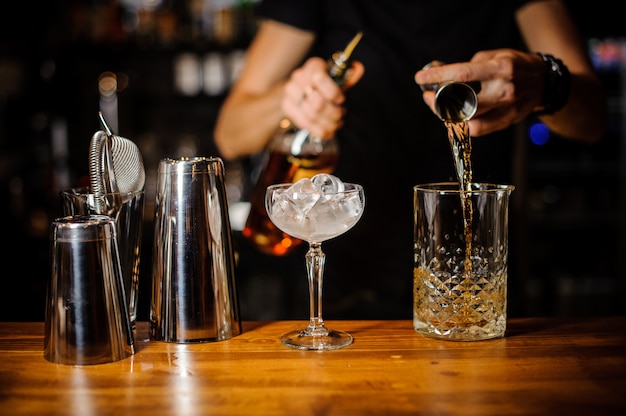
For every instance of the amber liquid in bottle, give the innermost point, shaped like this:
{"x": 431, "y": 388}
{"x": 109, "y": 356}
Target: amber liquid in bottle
{"x": 287, "y": 163}
{"x": 282, "y": 167}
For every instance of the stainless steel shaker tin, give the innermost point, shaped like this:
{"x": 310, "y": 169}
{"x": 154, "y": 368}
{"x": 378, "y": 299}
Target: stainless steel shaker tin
{"x": 126, "y": 209}
{"x": 87, "y": 320}
{"x": 193, "y": 280}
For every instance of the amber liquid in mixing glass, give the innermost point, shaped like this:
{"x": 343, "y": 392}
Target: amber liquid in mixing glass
{"x": 461, "y": 146}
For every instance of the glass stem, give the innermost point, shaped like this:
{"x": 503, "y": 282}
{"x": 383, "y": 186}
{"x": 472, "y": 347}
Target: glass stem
{"x": 315, "y": 259}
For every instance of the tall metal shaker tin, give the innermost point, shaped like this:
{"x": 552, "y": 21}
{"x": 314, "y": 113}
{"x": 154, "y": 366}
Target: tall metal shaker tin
{"x": 194, "y": 296}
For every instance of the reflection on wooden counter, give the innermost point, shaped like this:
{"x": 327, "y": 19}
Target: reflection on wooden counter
{"x": 542, "y": 366}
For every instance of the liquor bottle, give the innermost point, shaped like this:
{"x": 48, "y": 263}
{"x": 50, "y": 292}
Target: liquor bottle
{"x": 292, "y": 155}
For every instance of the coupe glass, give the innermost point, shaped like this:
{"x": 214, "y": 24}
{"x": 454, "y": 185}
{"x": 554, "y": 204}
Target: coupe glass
{"x": 315, "y": 216}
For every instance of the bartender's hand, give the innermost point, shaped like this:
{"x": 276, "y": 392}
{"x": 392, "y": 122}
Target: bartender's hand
{"x": 511, "y": 83}
{"x": 312, "y": 100}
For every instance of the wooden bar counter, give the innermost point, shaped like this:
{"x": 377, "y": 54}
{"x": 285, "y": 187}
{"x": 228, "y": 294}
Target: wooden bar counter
{"x": 551, "y": 366}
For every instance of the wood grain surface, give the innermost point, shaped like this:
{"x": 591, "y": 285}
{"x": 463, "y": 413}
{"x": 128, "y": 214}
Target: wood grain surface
{"x": 542, "y": 366}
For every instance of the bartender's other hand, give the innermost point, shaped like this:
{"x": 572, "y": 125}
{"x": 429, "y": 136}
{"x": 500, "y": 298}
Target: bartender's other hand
{"x": 511, "y": 82}
{"x": 312, "y": 100}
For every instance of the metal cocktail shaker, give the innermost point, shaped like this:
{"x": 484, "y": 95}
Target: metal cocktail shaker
{"x": 126, "y": 210}
{"x": 194, "y": 297}
{"x": 87, "y": 320}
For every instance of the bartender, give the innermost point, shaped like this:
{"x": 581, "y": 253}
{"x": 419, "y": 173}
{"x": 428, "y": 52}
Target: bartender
{"x": 527, "y": 56}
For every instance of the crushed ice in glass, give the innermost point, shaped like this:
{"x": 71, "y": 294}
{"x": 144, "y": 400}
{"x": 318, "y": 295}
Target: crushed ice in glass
{"x": 317, "y": 206}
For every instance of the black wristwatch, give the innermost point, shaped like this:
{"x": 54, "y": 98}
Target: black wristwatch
{"x": 557, "y": 85}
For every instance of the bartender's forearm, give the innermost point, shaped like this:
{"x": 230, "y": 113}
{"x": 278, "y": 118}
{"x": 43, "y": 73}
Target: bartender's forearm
{"x": 584, "y": 117}
{"x": 547, "y": 27}
{"x": 247, "y": 122}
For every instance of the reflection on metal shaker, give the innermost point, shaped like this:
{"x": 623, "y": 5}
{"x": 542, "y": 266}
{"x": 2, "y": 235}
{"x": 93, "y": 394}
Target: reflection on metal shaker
{"x": 87, "y": 320}
{"x": 194, "y": 297}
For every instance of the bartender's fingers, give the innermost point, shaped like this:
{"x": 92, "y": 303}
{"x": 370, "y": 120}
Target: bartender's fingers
{"x": 325, "y": 86}
{"x": 328, "y": 87}
{"x": 500, "y": 105}
{"x": 494, "y": 120}
{"x": 307, "y": 109}
{"x": 322, "y": 117}
{"x": 293, "y": 93}
{"x": 457, "y": 72}
{"x": 312, "y": 100}
{"x": 429, "y": 99}
{"x": 301, "y": 79}
{"x": 315, "y": 73}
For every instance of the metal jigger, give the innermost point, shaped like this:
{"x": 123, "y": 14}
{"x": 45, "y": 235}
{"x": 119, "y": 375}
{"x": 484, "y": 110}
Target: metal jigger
{"x": 455, "y": 102}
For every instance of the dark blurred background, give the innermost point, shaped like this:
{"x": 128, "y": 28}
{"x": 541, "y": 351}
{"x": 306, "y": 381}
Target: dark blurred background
{"x": 159, "y": 70}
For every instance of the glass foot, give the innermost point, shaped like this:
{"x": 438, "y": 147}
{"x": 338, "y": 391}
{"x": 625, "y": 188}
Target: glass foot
{"x": 307, "y": 339}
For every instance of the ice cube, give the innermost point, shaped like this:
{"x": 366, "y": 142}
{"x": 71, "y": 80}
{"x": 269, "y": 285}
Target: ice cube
{"x": 337, "y": 211}
{"x": 303, "y": 194}
{"x": 327, "y": 183}
{"x": 287, "y": 215}
{"x": 350, "y": 208}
